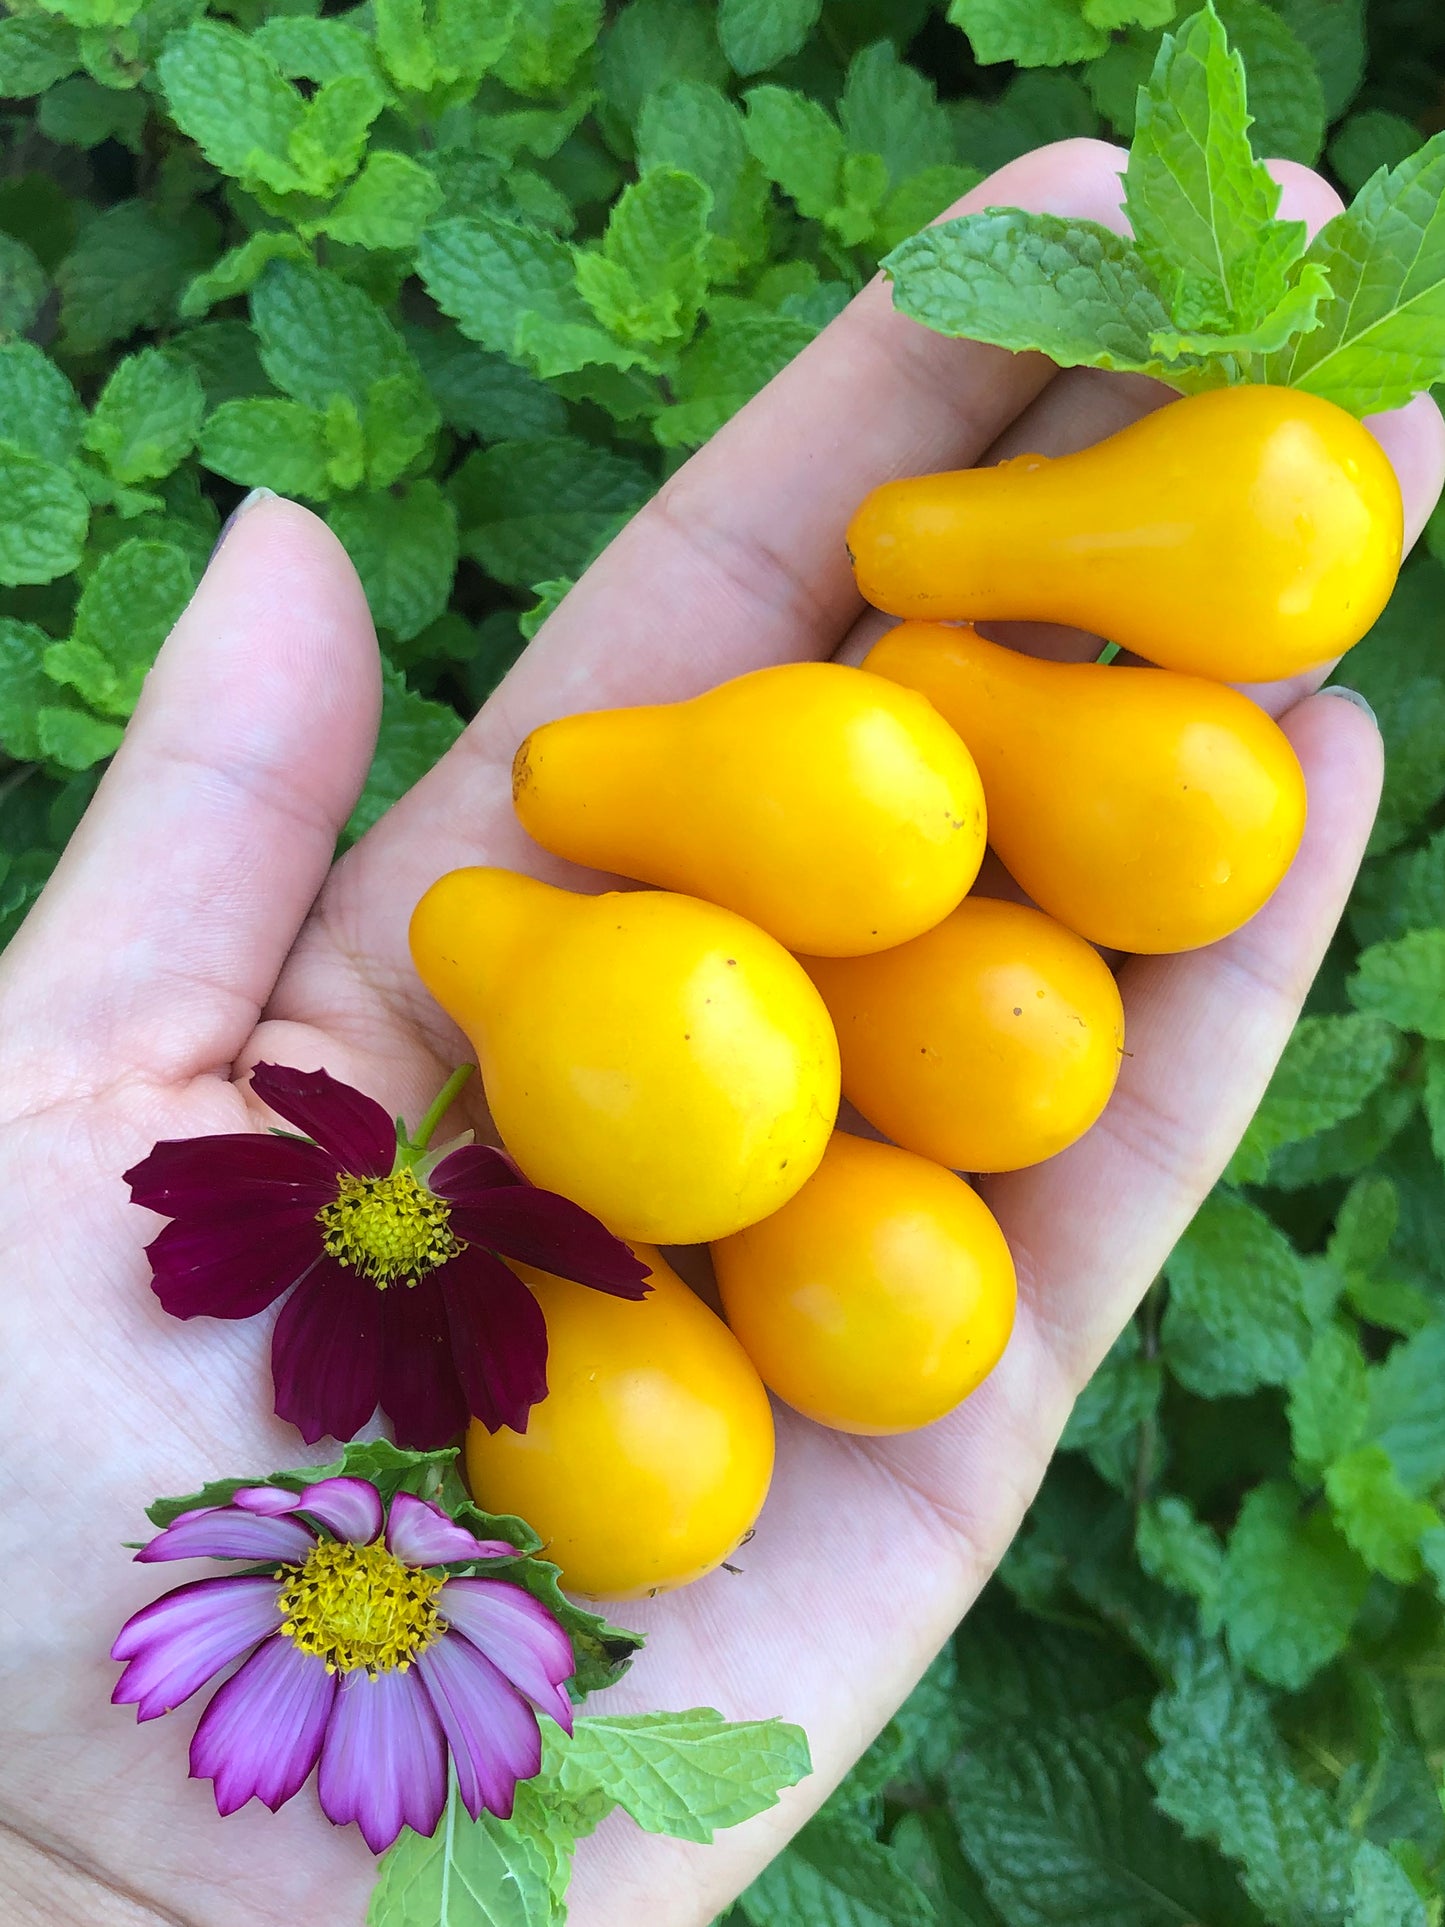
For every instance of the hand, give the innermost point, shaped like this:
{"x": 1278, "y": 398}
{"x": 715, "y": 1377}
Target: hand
{"x": 197, "y": 925}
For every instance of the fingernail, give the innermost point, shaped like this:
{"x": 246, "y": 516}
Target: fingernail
{"x": 1350, "y": 696}
{"x": 246, "y": 503}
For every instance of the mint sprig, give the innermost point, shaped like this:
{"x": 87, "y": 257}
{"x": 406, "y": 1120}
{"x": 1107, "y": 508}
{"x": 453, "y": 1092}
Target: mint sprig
{"x": 1214, "y": 289}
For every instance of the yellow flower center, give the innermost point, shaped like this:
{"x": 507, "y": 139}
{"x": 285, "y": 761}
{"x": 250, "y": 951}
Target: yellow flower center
{"x": 390, "y": 1230}
{"x": 359, "y": 1606}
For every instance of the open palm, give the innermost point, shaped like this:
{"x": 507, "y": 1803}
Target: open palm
{"x": 193, "y": 929}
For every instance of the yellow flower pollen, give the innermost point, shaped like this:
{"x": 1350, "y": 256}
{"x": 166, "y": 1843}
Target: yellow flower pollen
{"x": 390, "y": 1230}
{"x": 359, "y": 1607}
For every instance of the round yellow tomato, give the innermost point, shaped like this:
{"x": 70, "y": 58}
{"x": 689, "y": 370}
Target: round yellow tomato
{"x": 649, "y": 1459}
{"x": 878, "y": 1297}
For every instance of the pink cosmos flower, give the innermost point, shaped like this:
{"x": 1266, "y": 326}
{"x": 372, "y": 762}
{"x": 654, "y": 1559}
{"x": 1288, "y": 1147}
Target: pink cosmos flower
{"x": 359, "y": 1653}
{"x": 402, "y": 1299}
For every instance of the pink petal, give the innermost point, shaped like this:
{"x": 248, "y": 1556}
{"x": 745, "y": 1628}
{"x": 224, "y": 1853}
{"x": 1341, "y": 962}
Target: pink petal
{"x": 472, "y": 1171}
{"x": 421, "y": 1534}
{"x": 229, "y": 1532}
{"x": 351, "y": 1126}
{"x": 383, "y": 1762}
{"x": 543, "y": 1229}
{"x": 260, "y": 1735}
{"x": 268, "y": 1499}
{"x": 519, "y": 1636}
{"x": 185, "y": 1637}
{"x": 351, "y": 1508}
{"x": 326, "y": 1354}
{"x": 420, "y": 1393}
{"x": 198, "y": 1177}
{"x": 492, "y": 1732}
{"x": 215, "y": 1270}
{"x": 499, "y": 1339}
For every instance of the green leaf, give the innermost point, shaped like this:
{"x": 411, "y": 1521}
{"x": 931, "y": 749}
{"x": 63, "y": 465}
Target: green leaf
{"x": 1377, "y": 1515}
{"x": 36, "y": 50}
{"x": 548, "y": 43}
{"x": 147, "y": 418}
{"x": 74, "y": 738}
{"x": 1178, "y": 1550}
{"x": 1237, "y": 1272}
{"x": 798, "y": 144}
{"x": 321, "y": 336}
{"x": 484, "y": 394}
{"x": 1398, "y": 670}
{"x": 647, "y": 282}
{"x": 890, "y": 109}
{"x": 1117, "y": 1400}
{"x": 1407, "y": 1409}
{"x": 81, "y": 113}
{"x": 40, "y": 413}
{"x": 1330, "y": 1066}
{"x": 1291, "y": 1588}
{"x": 685, "y": 1774}
{"x": 23, "y": 286}
{"x": 696, "y": 128}
{"x": 1073, "y": 289}
{"x": 1383, "y": 337}
{"x": 514, "y": 290}
{"x": 126, "y": 611}
{"x": 281, "y": 445}
{"x": 387, "y": 205}
{"x": 127, "y": 270}
{"x": 1433, "y": 1096}
{"x": 835, "y": 1874}
{"x": 229, "y": 98}
{"x": 1329, "y": 1399}
{"x": 650, "y": 43}
{"x": 1031, "y": 33}
{"x": 1404, "y": 982}
{"x": 414, "y": 735}
{"x": 757, "y": 34}
{"x": 469, "y": 1873}
{"x": 1201, "y": 207}
{"x": 42, "y": 532}
{"x": 469, "y": 37}
{"x": 532, "y": 511}
{"x": 1369, "y": 141}
{"x": 400, "y": 419}
{"x": 1333, "y": 33}
{"x": 24, "y": 687}
{"x": 328, "y": 145}
{"x": 1034, "y": 107}
{"x": 1364, "y": 1226}
{"x": 1285, "y": 95}
{"x": 1384, "y": 1895}
{"x": 240, "y": 268}
{"x": 724, "y": 368}
{"x": 317, "y": 50}
{"x": 404, "y": 547}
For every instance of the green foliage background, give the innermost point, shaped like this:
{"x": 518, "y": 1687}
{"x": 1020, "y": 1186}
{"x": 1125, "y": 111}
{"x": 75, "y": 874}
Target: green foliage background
{"x": 471, "y": 277}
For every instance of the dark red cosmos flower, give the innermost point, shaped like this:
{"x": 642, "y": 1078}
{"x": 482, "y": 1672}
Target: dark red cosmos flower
{"x": 401, "y": 1299}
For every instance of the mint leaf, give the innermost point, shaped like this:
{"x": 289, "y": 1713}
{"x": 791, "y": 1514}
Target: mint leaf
{"x": 469, "y": 1873}
{"x": 74, "y": 738}
{"x": 23, "y": 286}
{"x": 1285, "y": 94}
{"x": 1330, "y": 1066}
{"x": 647, "y": 281}
{"x": 548, "y": 43}
{"x": 1329, "y": 1399}
{"x": 24, "y": 687}
{"x": 917, "y": 201}
{"x": 724, "y": 368}
{"x": 696, "y": 128}
{"x": 127, "y": 269}
{"x": 514, "y": 290}
{"x": 1201, "y": 207}
{"x": 328, "y": 144}
{"x": 1291, "y": 1588}
{"x": 532, "y": 511}
{"x": 649, "y": 43}
{"x": 1404, "y": 982}
{"x": 1383, "y": 336}
{"x": 890, "y": 109}
{"x": 1117, "y": 1400}
{"x": 229, "y": 98}
{"x": 685, "y": 1774}
{"x": 404, "y": 547}
{"x": 147, "y": 418}
{"x": 42, "y": 532}
{"x": 1407, "y": 1409}
{"x": 240, "y": 268}
{"x": 1178, "y": 1550}
{"x": 36, "y": 50}
{"x": 40, "y": 413}
{"x": 835, "y": 1874}
{"x": 387, "y": 205}
{"x": 318, "y": 50}
{"x": 414, "y": 734}
{"x": 484, "y": 394}
{"x": 1076, "y": 291}
{"x": 1369, "y": 141}
{"x": 1333, "y": 34}
{"x": 756, "y": 34}
{"x": 126, "y": 611}
{"x": 1240, "y": 1276}
{"x": 1031, "y": 33}
{"x": 280, "y": 445}
{"x": 321, "y": 337}
{"x": 1434, "y": 1096}
{"x": 798, "y": 144}
{"x": 1377, "y": 1515}
{"x": 82, "y": 113}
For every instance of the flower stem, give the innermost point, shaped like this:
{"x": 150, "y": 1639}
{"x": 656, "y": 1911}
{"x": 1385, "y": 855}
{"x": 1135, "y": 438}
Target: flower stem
{"x": 1107, "y": 653}
{"x": 441, "y": 1104}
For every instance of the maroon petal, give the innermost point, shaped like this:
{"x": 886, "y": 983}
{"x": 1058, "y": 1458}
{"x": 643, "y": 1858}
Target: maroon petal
{"x": 351, "y": 1508}
{"x": 198, "y": 1176}
{"x": 260, "y": 1735}
{"x": 351, "y": 1126}
{"x": 420, "y": 1392}
{"x": 421, "y": 1534}
{"x": 499, "y": 1339}
{"x": 326, "y": 1354}
{"x": 231, "y": 1271}
{"x": 492, "y": 1732}
{"x": 384, "y": 1761}
{"x": 471, "y": 1171}
{"x": 185, "y": 1637}
{"x": 229, "y": 1532}
{"x": 543, "y": 1229}
{"x": 519, "y": 1636}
